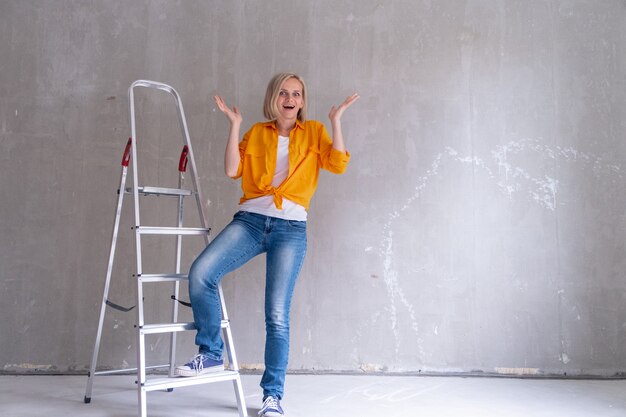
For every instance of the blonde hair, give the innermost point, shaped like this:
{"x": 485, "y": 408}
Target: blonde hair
{"x": 270, "y": 111}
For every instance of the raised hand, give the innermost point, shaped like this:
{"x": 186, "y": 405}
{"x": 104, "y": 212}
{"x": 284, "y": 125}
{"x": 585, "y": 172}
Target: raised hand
{"x": 233, "y": 115}
{"x": 335, "y": 120}
{"x": 336, "y": 112}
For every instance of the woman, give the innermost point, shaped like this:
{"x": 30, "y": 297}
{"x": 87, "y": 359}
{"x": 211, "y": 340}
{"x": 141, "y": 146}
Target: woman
{"x": 278, "y": 162}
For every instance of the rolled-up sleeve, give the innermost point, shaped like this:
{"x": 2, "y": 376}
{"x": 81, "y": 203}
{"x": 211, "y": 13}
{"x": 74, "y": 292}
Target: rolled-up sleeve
{"x": 332, "y": 160}
{"x": 242, "y": 150}
{"x": 337, "y": 161}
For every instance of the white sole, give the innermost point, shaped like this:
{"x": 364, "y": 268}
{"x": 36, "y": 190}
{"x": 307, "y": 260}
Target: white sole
{"x": 191, "y": 372}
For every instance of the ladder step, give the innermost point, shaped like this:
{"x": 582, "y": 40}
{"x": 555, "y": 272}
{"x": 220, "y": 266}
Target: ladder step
{"x": 129, "y": 370}
{"x": 163, "y": 277}
{"x": 158, "y": 191}
{"x": 164, "y": 383}
{"x": 172, "y": 327}
{"x": 150, "y": 230}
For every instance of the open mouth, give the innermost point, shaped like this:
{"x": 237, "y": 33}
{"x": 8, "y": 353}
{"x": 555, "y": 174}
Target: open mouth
{"x": 289, "y": 106}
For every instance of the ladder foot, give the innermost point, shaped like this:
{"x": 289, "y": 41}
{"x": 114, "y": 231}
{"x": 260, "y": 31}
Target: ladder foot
{"x": 87, "y": 399}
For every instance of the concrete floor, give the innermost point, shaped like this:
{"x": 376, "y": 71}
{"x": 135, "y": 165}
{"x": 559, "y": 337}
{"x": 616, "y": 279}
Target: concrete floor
{"x": 322, "y": 395}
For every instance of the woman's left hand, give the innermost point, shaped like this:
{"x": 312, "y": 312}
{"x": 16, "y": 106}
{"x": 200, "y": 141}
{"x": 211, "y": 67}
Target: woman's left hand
{"x": 336, "y": 112}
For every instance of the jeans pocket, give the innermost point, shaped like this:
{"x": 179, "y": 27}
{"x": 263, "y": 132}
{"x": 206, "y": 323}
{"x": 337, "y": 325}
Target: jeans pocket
{"x": 296, "y": 224}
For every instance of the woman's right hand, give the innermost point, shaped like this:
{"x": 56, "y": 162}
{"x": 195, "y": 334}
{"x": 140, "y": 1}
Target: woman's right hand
{"x": 233, "y": 115}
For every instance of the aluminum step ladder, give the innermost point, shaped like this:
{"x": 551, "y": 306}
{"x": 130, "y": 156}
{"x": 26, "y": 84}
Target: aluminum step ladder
{"x": 144, "y": 385}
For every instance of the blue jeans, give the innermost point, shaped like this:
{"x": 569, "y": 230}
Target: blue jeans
{"x": 248, "y": 235}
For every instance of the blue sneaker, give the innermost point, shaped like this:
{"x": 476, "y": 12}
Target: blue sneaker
{"x": 199, "y": 365}
{"x": 271, "y": 408}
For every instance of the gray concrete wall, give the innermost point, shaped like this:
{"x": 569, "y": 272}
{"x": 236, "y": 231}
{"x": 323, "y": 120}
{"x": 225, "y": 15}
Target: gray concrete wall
{"x": 479, "y": 228}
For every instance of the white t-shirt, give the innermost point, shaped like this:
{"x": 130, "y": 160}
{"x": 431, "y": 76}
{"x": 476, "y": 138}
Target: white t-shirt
{"x": 265, "y": 204}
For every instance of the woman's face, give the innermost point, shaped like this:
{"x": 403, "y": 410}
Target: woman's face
{"x": 290, "y": 100}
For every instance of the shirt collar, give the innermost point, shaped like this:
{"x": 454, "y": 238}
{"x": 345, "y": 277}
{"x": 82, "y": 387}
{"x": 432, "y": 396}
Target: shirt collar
{"x": 272, "y": 123}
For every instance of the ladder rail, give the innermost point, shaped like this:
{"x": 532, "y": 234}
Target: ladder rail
{"x": 107, "y": 281}
{"x": 141, "y": 347}
{"x": 176, "y": 289}
{"x": 141, "y": 359}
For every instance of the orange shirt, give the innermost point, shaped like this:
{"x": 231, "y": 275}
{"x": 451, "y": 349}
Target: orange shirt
{"x": 310, "y": 148}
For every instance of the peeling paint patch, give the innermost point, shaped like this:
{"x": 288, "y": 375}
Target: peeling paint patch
{"x": 26, "y": 366}
{"x": 517, "y": 371}
{"x": 372, "y": 367}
